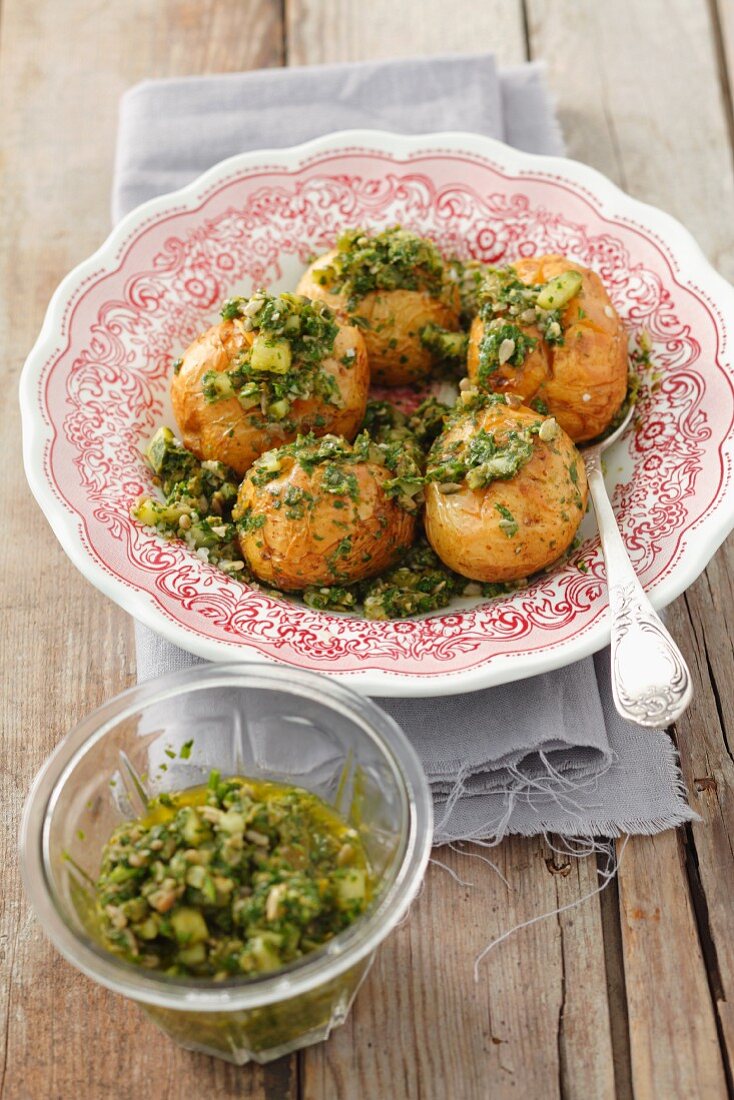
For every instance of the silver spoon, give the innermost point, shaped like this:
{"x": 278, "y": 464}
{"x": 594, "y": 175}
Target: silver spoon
{"x": 650, "y": 679}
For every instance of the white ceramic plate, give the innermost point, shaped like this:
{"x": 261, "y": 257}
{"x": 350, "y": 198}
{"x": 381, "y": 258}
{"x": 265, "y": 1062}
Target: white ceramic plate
{"x": 95, "y": 387}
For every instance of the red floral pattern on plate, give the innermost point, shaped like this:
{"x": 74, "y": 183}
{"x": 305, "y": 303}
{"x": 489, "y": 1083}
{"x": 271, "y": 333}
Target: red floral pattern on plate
{"x": 105, "y": 390}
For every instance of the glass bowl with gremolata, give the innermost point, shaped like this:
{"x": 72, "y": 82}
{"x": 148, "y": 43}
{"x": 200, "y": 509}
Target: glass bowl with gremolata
{"x": 228, "y": 847}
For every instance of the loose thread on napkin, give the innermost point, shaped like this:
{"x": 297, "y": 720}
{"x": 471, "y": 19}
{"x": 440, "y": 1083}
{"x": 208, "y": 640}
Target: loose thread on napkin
{"x": 607, "y": 874}
{"x": 551, "y": 785}
{"x": 580, "y": 848}
{"x": 483, "y": 859}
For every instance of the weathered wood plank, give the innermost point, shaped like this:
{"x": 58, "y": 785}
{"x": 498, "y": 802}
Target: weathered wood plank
{"x": 705, "y": 738}
{"x": 674, "y": 1044}
{"x": 616, "y": 991}
{"x": 320, "y": 31}
{"x": 587, "y": 1066}
{"x": 535, "y": 1024}
{"x": 604, "y": 61}
{"x": 638, "y": 98}
{"x": 722, "y": 18}
{"x": 64, "y": 647}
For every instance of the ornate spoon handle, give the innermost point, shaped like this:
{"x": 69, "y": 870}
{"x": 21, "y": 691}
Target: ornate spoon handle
{"x": 650, "y": 679}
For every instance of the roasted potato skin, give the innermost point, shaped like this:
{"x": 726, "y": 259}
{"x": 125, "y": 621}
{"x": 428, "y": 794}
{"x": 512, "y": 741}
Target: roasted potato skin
{"x": 225, "y": 431}
{"x": 547, "y": 504}
{"x": 293, "y": 551}
{"x": 582, "y": 381}
{"x": 392, "y": 322}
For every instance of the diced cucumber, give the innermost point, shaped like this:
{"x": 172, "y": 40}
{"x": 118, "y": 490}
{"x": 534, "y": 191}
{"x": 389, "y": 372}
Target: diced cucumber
{"x": 196, "y": 876}
{"x": 162, "y": 442}
{"x": 264, "y": 952}
{"x": 148, "y": 930}
{"x": 121, "y": 873}
{"x": 272, "y": 356}
{"x": 351, "y": 886}
{"x": 189, "y": 926}
{"x": 135, "y": 909}
{"x": 209, "y": 890}
{"x": 193, "y": 829}
{"x": 192, "y": 956}
{"x": 232, "y": 822}
{"x": 268, "y": 463}
{"x": 278, "y": 409}
{"x": 443, "y": 343}
{"x": 150, "y": 512}
{"x": 217, "y": 385}
{"x": 249, "y": 395}
{"x": 558, "y": 292}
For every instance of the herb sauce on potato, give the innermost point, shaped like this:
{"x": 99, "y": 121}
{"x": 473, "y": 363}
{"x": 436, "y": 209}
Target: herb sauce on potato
{"x": 276, "y": 365}
{"x": 396, "y": 287}
{"x": 506, "y": 491}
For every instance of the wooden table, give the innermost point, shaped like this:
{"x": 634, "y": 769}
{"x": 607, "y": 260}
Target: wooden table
{"x": 631, "y": 994}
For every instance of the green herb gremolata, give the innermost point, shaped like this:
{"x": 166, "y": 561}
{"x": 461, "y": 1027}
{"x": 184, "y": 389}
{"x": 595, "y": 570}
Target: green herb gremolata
{"x": 394, "y": 259}
{"x": 483, "y": 458}
{"x": 508, "y": 307}
{"x": 199, "y": 499}
{"x": 197, "y": 505}
{"x": 235, "y": 878}
{"x": 337, "y": 457}
{"x": 293, "y": 337}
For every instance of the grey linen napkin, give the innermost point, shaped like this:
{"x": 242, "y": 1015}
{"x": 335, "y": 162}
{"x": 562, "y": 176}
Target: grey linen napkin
{"x": 543, "y": 755}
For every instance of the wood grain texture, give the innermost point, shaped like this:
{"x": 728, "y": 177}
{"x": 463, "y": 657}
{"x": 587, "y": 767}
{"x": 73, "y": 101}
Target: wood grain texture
{"x": 706, "y": 742}
{"x": 535, "y": 1024}
{"x": 320, "y": 31}
{"x": 638, "y": 98}
{"x": 673, "y": 1039}
{"x": 603, "y": 63}
{"x": 722, "y": 20}
{"x": 64, "y": 647}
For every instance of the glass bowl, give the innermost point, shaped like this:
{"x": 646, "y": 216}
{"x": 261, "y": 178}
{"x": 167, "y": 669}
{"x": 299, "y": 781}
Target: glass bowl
{"x": 273, "y": 723}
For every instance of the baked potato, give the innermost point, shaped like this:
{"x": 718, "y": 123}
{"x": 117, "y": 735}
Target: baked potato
{"x": 321, "y": 512}
{"x": 275, "y": 365}
{"x": 506, "y": 491}
{"x": 548, "y": 332}
{"x": 399, "y": 290}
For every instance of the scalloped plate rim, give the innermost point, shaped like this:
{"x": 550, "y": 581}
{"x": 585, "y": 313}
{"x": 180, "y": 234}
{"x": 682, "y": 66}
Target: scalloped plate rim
{"x": 704, "y": 537}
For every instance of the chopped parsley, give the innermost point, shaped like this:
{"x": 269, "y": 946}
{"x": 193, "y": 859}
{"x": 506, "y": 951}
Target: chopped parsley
{"x": 419, "y": 584}
{"x": 480, "y": 460}
{"x": 509, "y": 306}
{"x": 330, "y": 598}
{"x": 469, "y": 276}
{"x": 251, "y": 521}
{"x": 502, "y": 343}
{"x": 446, "y": 346}
{"x": 198, "y": 498}
{"x": 400, "y": 456}
{"x": 394, "y": 259}
{"x": 284, "y": 362}
{"x": 507, "y": 523}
